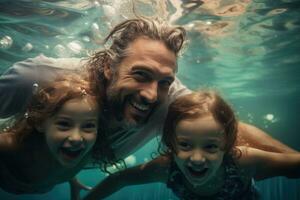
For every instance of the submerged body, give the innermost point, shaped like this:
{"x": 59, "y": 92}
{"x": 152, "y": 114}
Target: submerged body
{"x": 16, "y": 87}
{"x": 136, "y": 74}
{"x": 201, "y": 159}
{"x": 53, "y": 141}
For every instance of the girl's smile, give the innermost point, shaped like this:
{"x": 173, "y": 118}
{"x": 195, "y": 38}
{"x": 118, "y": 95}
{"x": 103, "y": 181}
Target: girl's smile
{"x": 197, "y": 173}
{"x": 199, "y": 148}
{"x": 70, "y": 154}
{"x": 72, "y": 132}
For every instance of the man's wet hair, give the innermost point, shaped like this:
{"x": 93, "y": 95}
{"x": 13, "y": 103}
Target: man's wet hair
{"x": 120, "y": 38}
{"x": 124, "y": 34}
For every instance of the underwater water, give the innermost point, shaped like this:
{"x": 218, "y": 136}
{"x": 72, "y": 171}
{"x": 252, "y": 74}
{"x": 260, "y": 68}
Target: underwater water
{"x": 248, "y": 50}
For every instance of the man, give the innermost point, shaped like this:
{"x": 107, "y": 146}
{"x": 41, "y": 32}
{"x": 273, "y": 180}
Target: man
{"x": 137, "y": 76}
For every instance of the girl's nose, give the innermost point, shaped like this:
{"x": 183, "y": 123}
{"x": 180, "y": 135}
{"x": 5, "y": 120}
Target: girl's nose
{"x": 75, "y": 139}
{"x": 197, "y": 157}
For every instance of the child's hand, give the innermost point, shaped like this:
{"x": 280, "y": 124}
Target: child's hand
{"x": 76, "y": 187}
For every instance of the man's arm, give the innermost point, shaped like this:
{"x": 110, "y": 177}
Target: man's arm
{"x": 18, "y": 82}
{"x": 264, "y": 164}
{"x": 153, "y": 171}
{"x": 76, "y": 187}
{"x": 15, "y": 88}
{"x": 249, "y": 135}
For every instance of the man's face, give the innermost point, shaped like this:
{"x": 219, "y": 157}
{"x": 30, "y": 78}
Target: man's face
{"x": 141, "y": 81}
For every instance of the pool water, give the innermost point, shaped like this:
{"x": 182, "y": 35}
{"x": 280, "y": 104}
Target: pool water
{"x": 248, "y": 50}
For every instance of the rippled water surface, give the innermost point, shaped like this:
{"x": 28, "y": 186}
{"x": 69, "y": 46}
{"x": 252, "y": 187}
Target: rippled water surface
{"x": 248, "y": 50}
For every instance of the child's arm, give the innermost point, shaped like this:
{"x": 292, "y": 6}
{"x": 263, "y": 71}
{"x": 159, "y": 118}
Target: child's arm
{"x": 254, "y": 137}
{"x": 264, "y": 164}
{"x": 153, "y": 171}
{"x": 76, "y": 187}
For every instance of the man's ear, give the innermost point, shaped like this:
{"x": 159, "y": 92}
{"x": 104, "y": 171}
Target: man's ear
{"x": 107, "y": 72}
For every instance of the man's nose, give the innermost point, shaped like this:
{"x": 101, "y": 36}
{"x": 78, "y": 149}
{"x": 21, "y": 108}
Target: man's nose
{"x": 149, "y": 92}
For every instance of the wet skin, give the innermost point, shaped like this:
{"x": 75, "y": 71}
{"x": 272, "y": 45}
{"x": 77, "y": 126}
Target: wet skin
{"x": 140, "y": 82}
{"x": 71, "y": 133}
{"x": 59, "y": 151}
{"x": 199, "y": 144}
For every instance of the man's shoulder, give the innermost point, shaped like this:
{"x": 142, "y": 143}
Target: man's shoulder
{"x": 16, "y": 83}
{"x": 177, "y": 89}
{"x": 42, "y": 61}
{"x": 62, "y": 63}
{"x": 40, "y": 68}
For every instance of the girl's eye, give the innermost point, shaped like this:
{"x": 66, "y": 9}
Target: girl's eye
{"x": 212, "y": 148}
{"x": 63, "y": 125}
{"x": 184, "y": 145}
{"x": 90, "y": 127}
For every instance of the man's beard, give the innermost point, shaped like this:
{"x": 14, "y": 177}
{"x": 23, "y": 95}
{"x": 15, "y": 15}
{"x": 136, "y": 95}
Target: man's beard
{"x": 116, "y": 107}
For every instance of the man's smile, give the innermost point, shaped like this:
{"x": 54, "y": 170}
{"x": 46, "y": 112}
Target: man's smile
{"x": 140, "y": 106}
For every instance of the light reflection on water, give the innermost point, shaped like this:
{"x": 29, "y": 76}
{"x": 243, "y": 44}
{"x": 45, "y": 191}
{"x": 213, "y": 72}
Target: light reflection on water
{"x": 248, "y": 50}
{"x": 230, "y": 40}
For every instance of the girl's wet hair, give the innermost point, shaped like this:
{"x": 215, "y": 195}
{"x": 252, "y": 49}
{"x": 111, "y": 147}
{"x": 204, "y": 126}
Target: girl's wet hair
{"x": 49, "y": 99}
{"x": 195, "y": 105}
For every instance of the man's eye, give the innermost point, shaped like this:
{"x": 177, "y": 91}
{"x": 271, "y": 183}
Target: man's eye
{"x": 141, "y": 76}
{"x": 165, "y": 83}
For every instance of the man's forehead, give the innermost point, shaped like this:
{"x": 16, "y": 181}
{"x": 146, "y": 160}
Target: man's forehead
{"x": 147, "y": 50}
{"x": 150, "y": 45}
{"x": 167, "y": 72}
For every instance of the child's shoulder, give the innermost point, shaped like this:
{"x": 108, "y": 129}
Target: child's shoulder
{"x": 8, "y": 143}
{"x": 237, "y": 170}
{"x": 245, "y": 160}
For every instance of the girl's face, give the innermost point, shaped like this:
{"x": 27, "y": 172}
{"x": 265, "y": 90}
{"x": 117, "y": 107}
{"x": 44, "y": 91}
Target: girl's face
{"x": 71, "y": 133}
{"x": 199, "y": 144}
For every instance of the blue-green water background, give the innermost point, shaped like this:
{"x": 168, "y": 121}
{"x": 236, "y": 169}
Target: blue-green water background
{"x": 248, "y": 50}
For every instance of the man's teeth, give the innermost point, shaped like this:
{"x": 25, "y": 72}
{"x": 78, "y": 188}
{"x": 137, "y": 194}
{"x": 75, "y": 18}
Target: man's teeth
{"x": 140, "y": 106}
